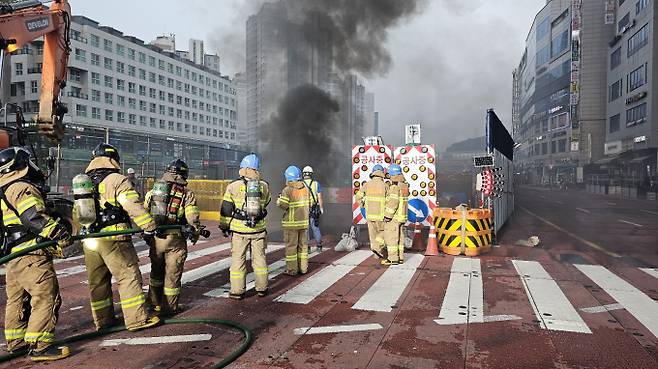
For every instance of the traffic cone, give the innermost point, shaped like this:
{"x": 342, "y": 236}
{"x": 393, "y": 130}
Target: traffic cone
{"x": 418, "y": 237}
{"x": 432, "y": 245}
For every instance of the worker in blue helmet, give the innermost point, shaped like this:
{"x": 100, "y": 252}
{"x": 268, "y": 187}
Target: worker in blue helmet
{"x": 243, "y": 216}
{"x": 395, "y": 216}
{"x": 372, "y": 196}
{"x": 295, "y": 200}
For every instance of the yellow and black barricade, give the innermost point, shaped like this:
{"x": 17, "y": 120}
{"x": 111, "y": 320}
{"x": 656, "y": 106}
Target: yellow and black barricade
{"x": 463, "y": 230}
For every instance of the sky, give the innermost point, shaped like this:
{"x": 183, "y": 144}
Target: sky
{"x": 451, "y": 61}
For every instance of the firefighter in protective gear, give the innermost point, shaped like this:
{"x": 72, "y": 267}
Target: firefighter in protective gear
{"x": 295, "y": 200}
{"x": 117, "y": 204}
{"x": 395, "y": 216}
{"x": 247, "y": 230}
{"x": 33, "y": 298}
{"x": 317, "y": 205}
{"x": 373, "y": 198}
{"x": 169, "y": 251}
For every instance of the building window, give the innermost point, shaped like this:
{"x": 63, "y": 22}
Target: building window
{"x": 121, "y": 50}
{"x": 109, "y": 98}
{"x": 95, "y": 95}
{"x": 121, "y": 100}
{"x": 162, "y": 80}
{"x": 614, "y": 123}
{"x": 152, "y": 122}
{"x": 179, "y": 127}
{"x": 95, "y": 78}
{"x": 95, "y": 40}
{"x": 152, "y": 93}
{"x": 560, "y": 44}
{"x": 637, "y": 78}
{"x": 162, "y": 124}
{"x": 132, "y": 119}
{"x": 640, "y": 5}
{"x": 636, "y": 115}
{"x": 152, "y": 107}
{"x": 187, "y": 128}
{"x": 170, "y": 111}
{"x": 80, "y": 55}
{"x": 108, "y": 63}
{"x": 131, "y": 87}
{"x": 18, "y": 68}
{"x": 109, "y": 115}
{"x": 142, "y": 121}
{"x": 121, "y": 67}
{"x": 142, "y": 105}
{"x": 95, "y": 59}
{"x": 132, "y": 103}
{"x": 638, "y": 40}
{"x": 163, "y": 110}
{"x": 75, "y": 75}
{"x": 121, "y": 85}
{"x": 81, "y": 110}
{"x": 121, "y": 117}
{"x": 107, "y": 45}
{"x": 131, "y": 54}
{"x": 96, "y": 113}
{"x": 142, "y": 57}
{"x": 151, "y": 77}
{"x": 151, "y": 61}
{"x": 161, "y": 95}
{"x": 142, "y": 90}
{"x": 142, "y": 74}
{"x": 170, "y": 125}
{"x": 623, "y": 22}
{"x": 615, "y": 58}
{"x": 615, "y": 91}
{"x": 131, "y": 71}
{"x": 109, "y": 82}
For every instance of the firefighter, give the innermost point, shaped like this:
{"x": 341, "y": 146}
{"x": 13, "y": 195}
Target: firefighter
{"x": 317, "y": 206}
{"x": 395, "y": 216}
{"x": 33, "y": 298}
{"x": 295, "y": 200}
{"x": 170, "y": 203}
{"x": 243, "y": 216}
{"x": 373, "y": 198}
{"x": 117, "y": 203}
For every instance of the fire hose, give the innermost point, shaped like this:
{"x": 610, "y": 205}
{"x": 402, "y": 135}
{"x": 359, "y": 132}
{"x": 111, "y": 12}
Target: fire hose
{"x": 244, "y": 346}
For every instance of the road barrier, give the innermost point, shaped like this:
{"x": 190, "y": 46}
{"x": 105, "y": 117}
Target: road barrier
{"x": 463, "y": 230}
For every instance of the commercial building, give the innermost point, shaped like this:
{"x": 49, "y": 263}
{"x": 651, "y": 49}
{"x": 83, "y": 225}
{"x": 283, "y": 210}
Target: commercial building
{"x": 559, "y": 98}
{"x": 150, "y": 102}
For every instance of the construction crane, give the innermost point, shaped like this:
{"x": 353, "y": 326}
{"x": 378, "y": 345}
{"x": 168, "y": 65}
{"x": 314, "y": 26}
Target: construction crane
{"x": 20, "y": 23}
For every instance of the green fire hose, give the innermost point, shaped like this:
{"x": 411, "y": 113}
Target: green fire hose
{"x": 248, "y": 335}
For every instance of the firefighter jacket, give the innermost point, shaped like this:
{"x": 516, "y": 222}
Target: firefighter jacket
{"x": 115, "y": 190}
{"x": 295, "y": 200}
{"x": 181, "y": 203}
{"x": 397, "y": 200}
{"x": 373, "y": 197}
{"x": 232, "y": 216}
{"x": 25, "y": 217}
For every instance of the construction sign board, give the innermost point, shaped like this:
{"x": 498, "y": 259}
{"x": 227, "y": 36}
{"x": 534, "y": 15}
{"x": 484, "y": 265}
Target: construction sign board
{"x": 364, "y": 158}
{"x": 419, "y": 168}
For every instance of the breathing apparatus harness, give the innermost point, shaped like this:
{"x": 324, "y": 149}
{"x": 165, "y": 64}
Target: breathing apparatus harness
{"x": 108, "y": 214}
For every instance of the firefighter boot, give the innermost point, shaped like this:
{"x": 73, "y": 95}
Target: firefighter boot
{"x": 50, "y": 353}
{"x": 148, "y": 323}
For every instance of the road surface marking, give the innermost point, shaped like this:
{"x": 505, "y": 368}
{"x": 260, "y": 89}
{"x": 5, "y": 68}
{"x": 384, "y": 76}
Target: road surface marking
{"x": 337, "y": 329}
{"x": 311, "y": 288}
{"x": 156, "y": 340}
{"x": 551, "y": 306}
{"x": 215, "y": 267}
{"x": 388, "y": 288}
{"x": 631, "y": 223}
{"x": 649, "y": 212}
{"x": 559, "y": 202}
{"x": 76, "y": 308}
{"x": 464, "y": 298}
{"x": 651, "y": 271}
{"x": 572, "y": 235}
{"x": 611, "y": 203}
{"x": 641, "y": 306}
{"x": 602, "y": 308}
{"x": 275, "y": 269}
{"x": 584, "y": 210}
{"x": 500, "y": 318}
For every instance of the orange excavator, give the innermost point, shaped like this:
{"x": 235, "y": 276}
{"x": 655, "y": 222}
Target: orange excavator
{"x": 20, "y": 23}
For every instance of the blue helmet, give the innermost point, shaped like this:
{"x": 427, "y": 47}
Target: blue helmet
{"x": 250, "y": 161}
{"x": 377, "y": 168}
{"x": 293, "y": 173}
{"x": 394, "y": 170}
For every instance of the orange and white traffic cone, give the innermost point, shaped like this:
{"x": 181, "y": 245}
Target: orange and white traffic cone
{"x": 432, "y": 244}
{"x": 418, "y": 237}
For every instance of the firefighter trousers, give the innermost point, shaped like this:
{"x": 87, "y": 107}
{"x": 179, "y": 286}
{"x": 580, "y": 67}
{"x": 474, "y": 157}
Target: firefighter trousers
{"x": 240, "y": 243}
{"x": 376, "y": 234}
{"x": 107, "y": 258}
{"x": 296, "y": 241}
{"x": 33, "y": 301}
{"x": 394, "y": 240}
{"x": 168, "y": 256}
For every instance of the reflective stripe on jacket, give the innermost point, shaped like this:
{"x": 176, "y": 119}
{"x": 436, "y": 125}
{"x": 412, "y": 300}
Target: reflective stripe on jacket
{"x": 296, "y": 201}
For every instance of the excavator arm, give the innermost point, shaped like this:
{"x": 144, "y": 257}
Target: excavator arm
{"x": 24, "y": 21}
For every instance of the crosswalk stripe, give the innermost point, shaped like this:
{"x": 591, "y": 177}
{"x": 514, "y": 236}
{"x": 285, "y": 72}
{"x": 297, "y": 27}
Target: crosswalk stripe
{"x": 275, "y": 269}
{"x": 641, "y": 306}
{"x": 311, "y": 288}
{"x": 156, "y": 340}
{"x": 215, "y": 267}
{"x": 338, "y": 329}
{"x": 551, "y": 306}
{"x": 651, "y": 271}
{"x": 464, "y": 298}
{"x": 388, "y": 288}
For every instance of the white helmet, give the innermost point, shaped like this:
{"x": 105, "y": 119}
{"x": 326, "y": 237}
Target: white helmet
{"x": 307, "y": 169}
{"x": 130, "y": 171}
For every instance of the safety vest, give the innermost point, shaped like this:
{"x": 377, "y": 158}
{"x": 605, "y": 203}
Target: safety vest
{"x": 401, "y": 212}
{"x": 236, "y": 193}
{"x": 375, "y": 199}
{"x": 299, "y": 204}
{"x": 313, "y": 185}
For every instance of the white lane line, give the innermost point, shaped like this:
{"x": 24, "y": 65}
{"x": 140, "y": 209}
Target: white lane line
{"x": 464, "y": 299}
{"x": 584, "y": 210}
{"x": 275, "y": 269}
{"x": 650, "y": 271}
{"x": 337, "y": 329}
{"x": 156, "y": 340}
{"x": 602, "y": 308}
{"x": 76, "y": 308}
{"x": 641, "y": 306}
{"x": 649, "y": 212}
{"x": 501, "y": 318}
{"x": 631, "y": 223}
{"x": 551, "y": 306}
{"x": 312, "y": 287}
{"x": 215, "y": 267}
{"x": 388, "y": 288}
